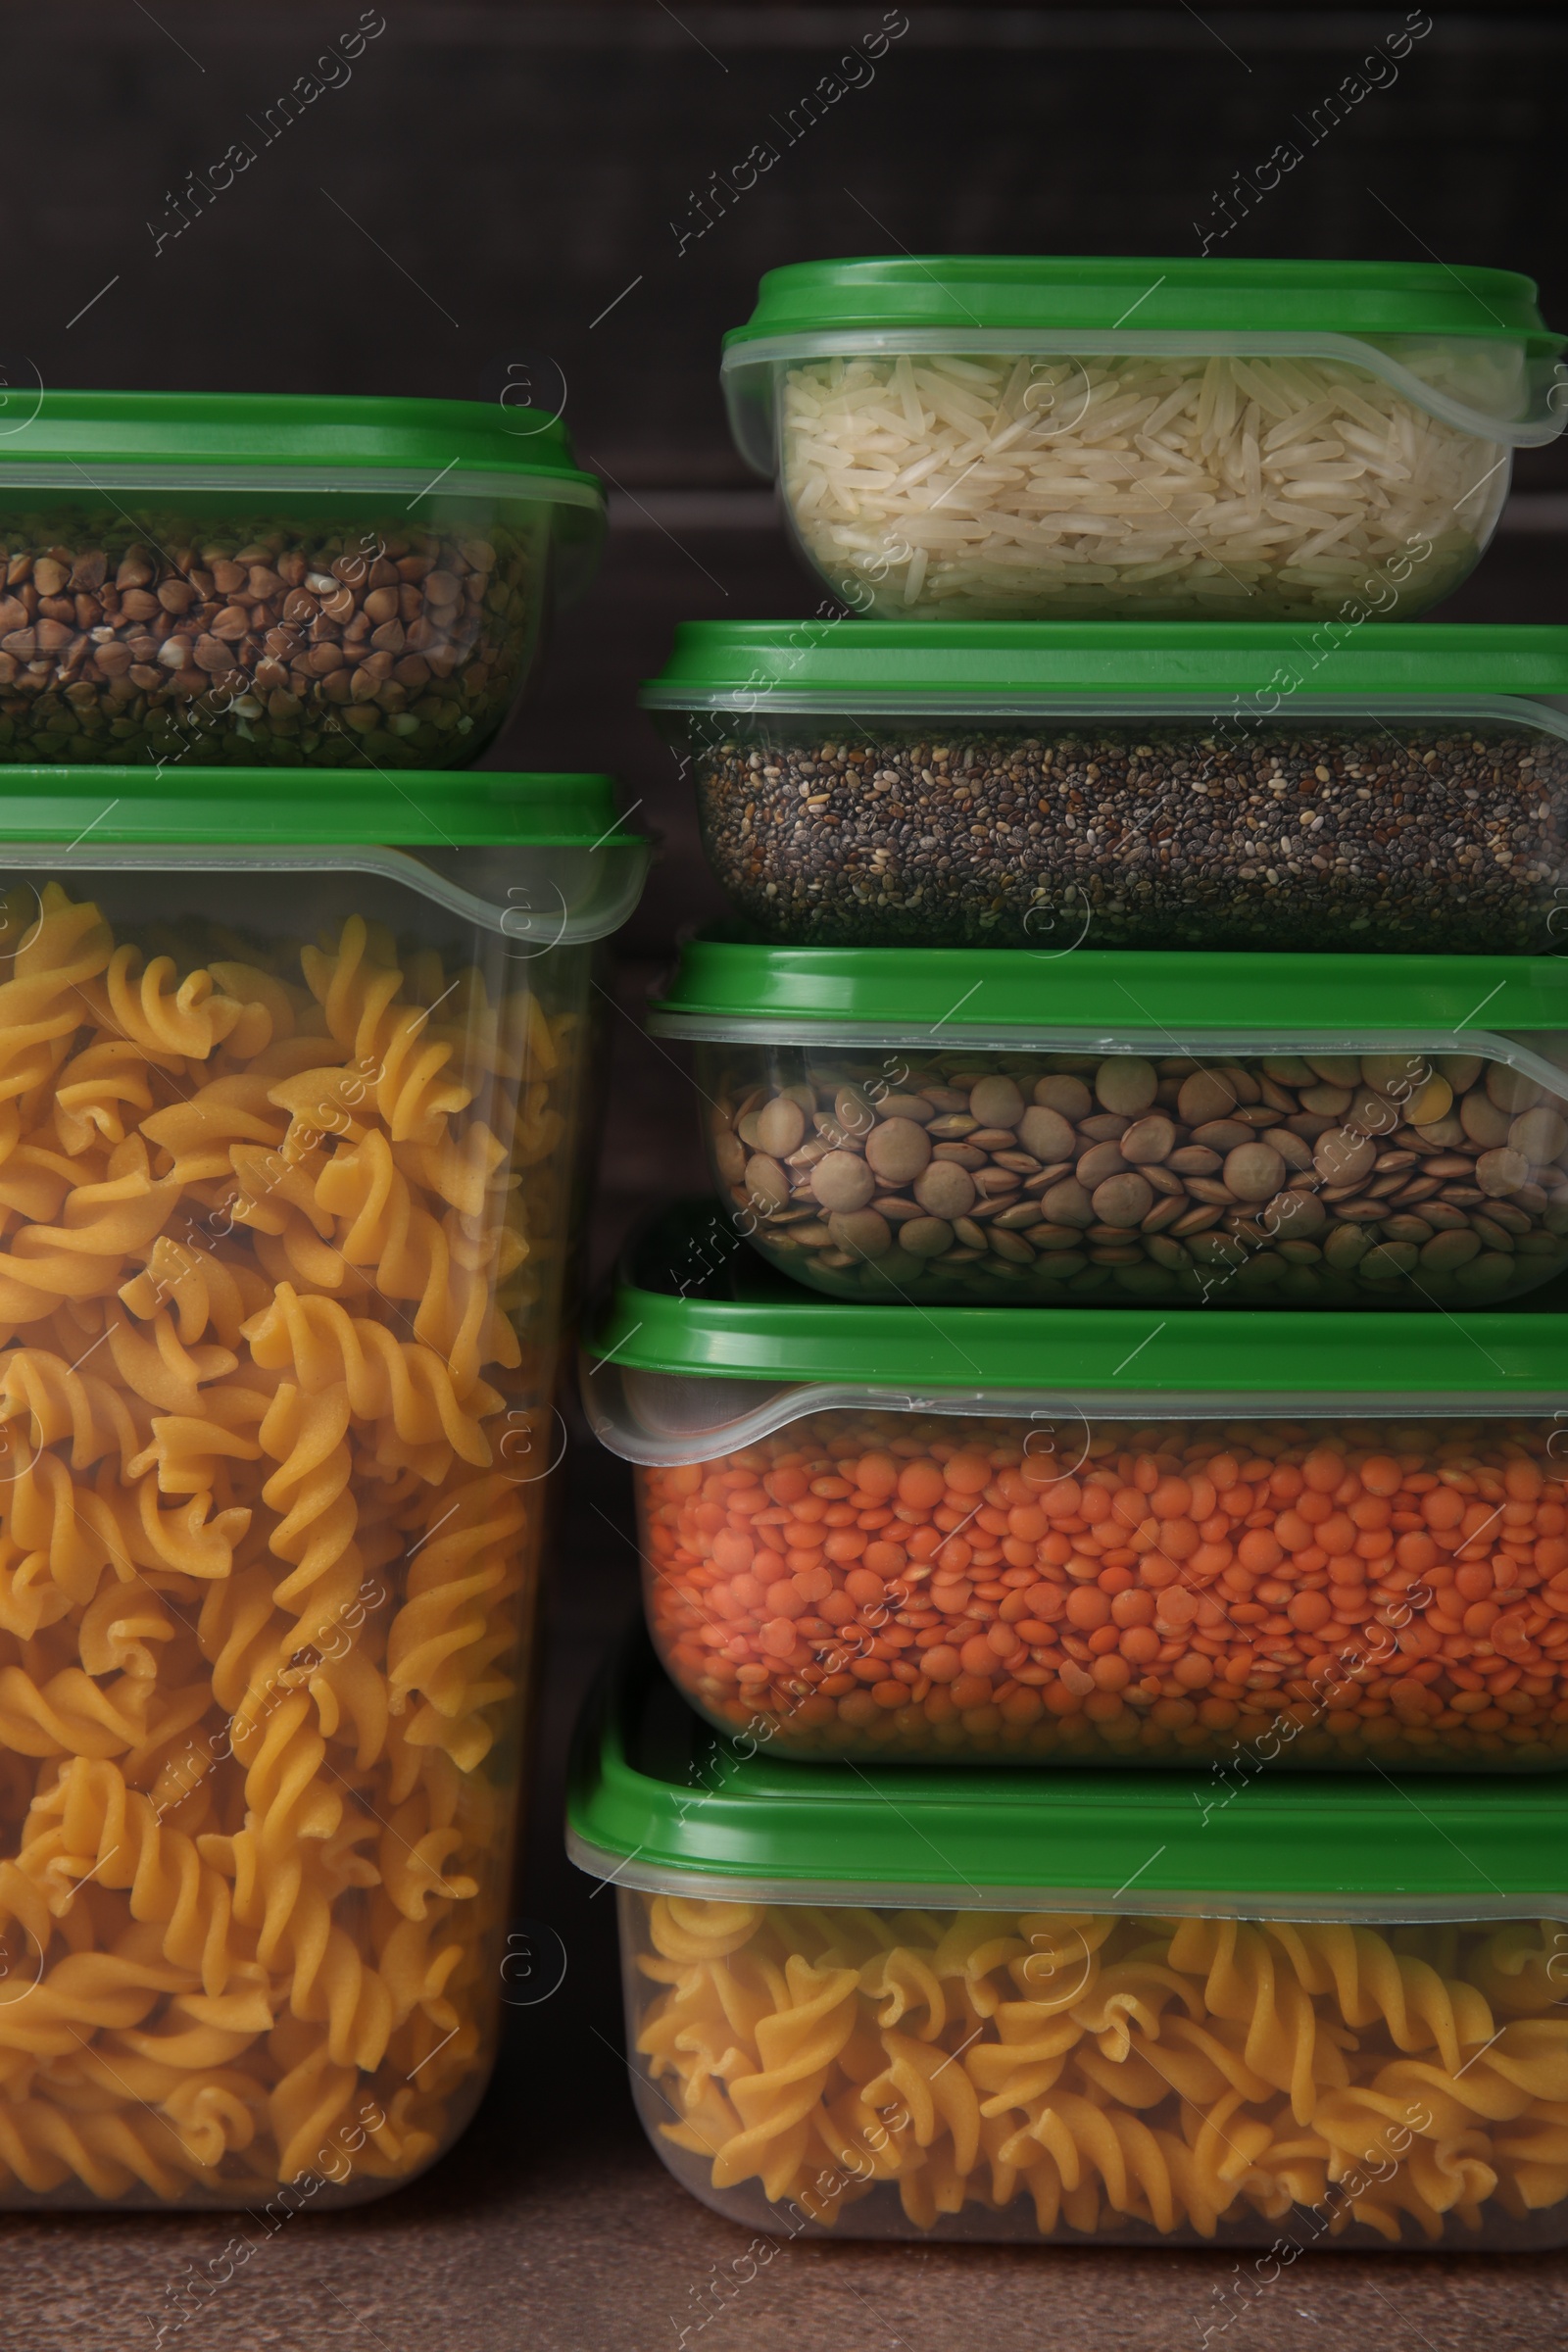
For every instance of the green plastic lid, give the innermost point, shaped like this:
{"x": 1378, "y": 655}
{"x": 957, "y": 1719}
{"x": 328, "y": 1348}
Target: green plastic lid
{"x": 93, "y": 808}
{"x": 655, "y": 1800}
{"x": 1097, "y": 291}
{"x": 1467, "y": 346}
{"x": 831, "y": 664}
{"x": 207, "y": 433}
{"x": 1132, "y": 999}
{"x": 692, "y": 1299}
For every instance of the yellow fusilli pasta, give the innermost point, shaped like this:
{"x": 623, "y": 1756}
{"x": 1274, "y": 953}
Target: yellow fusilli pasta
{"x": 265, "y": 1577}
{"x": 1178, "y": 2073}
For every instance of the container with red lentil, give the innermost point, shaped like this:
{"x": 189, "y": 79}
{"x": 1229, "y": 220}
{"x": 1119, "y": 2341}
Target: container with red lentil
{"x": 1069, "y": 2008}
{"x": 1125, "y": 1537}
{"x": 1044, "y": 436}
{"x": 1130, "y": 784}
{"x": 990, "y": 1126}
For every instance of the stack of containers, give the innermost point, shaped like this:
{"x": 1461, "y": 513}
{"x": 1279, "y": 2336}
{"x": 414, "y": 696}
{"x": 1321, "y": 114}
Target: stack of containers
{"x": 1142, "y": 1067}
{"x": 297, "y": 1075}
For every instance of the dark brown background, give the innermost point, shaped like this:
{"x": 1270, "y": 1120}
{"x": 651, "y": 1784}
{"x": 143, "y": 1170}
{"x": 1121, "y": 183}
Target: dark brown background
{"x": 510, "y": 170}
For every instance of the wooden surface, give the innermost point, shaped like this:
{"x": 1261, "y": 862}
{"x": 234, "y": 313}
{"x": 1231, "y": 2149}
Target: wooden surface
{"x": 488, "y": 179}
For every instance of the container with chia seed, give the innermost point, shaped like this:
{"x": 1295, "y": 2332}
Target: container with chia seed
{"x": 977, "y": 1125}
{"x": 1045, "y": 437}
{"x": 1152, "y": 784}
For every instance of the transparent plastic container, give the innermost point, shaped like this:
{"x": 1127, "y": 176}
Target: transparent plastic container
{"x": 1107, "y": 1538}
{"x": 1164, "y": 784}
{"x": 1037, "y": 438}
{"x": 291, "y": 1129}
{"x": 1056, "y": 2014}
{"x": 993, "y": 1126}
{"x": 278, "y": 581}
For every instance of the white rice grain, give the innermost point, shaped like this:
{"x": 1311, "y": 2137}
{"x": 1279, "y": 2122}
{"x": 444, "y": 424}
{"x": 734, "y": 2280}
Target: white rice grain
{"x": 1232, "y": 487}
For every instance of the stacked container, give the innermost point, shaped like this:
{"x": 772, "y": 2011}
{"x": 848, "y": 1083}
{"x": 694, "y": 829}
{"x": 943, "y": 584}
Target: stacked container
{"x": 1101, "y": 1535}
{"x": 295, "y": 1027}
{"x": 1065, "y": 2006}
{"x": 1142, "y": 1067}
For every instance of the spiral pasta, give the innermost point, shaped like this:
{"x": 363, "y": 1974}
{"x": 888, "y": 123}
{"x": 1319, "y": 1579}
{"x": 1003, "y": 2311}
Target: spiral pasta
{"x": 265, "y": 1575}
{"x": 1182, "y": 2075}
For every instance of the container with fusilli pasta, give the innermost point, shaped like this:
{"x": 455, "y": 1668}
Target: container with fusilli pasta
{"x": 1080, "y": 2009}
{"x": 291, "y": 1126}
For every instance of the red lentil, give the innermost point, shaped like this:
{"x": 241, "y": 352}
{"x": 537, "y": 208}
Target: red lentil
{"x": 1359, "y": 1590}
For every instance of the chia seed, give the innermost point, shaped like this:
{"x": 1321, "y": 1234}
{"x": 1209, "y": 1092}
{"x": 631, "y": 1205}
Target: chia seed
{"x": 1357, "y": 836}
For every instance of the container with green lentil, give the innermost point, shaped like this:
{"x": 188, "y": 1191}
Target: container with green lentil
{"x": 1395, "y": 789}
{"x": 988, "y": 1125}
{"x": 279, "y": 580}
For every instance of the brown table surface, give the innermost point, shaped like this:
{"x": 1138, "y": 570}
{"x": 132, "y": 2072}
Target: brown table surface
{"x": 551, "y": 2227}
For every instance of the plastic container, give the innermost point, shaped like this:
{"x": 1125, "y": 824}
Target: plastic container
{"x": 1032, "y": 438}
{"x": 291, "y": 1128}
{"x": 276, "y": 579}
{"x": 1074, "y": 2007}
{"x": 1164, "y": 784}
{"x": 1117, "y": 1537}
{"x": 987, "y": 1125}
